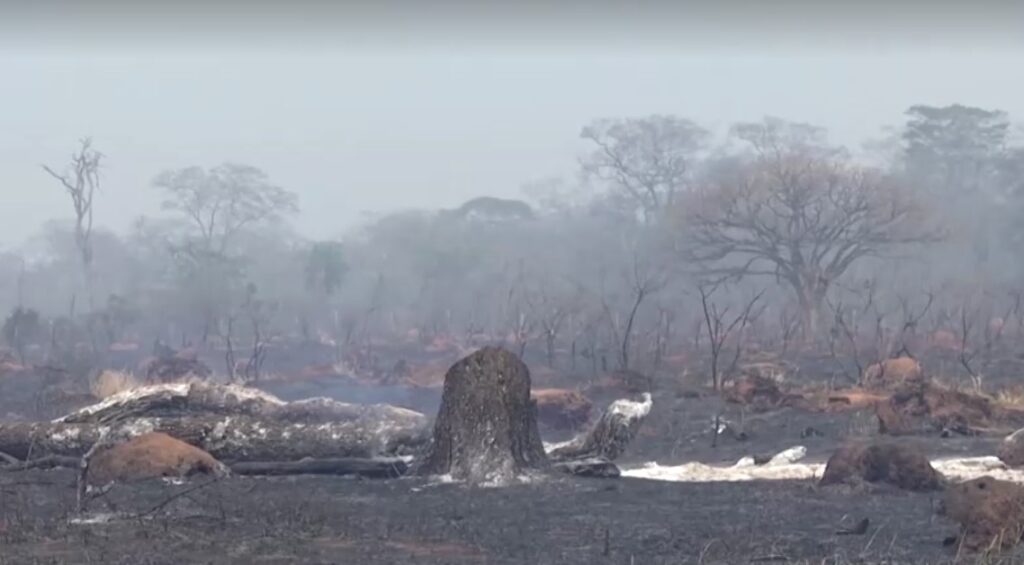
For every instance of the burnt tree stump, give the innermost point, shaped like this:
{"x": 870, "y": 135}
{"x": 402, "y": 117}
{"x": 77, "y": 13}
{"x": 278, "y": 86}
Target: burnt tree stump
{"x": 486, "y": 429}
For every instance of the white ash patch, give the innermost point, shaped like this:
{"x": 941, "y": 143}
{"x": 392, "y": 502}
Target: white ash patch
{"x": 549, "y": 447}
{"x": 125, "y": 396}
{"x": 97, "y": 518}
{"x": 247, "y": 394}
{"x": 66, "y": 435}
{"x": 630, "y": 409}
{"x": 791, "y": 455}
{"x": 785, "y": 457}
{"x": 784, "y": 467}
{"x": 702, "y": 473}
{"x": 136, "y": 427}
{"x": 965, "y": 468}
{"x": 238, "y": 393}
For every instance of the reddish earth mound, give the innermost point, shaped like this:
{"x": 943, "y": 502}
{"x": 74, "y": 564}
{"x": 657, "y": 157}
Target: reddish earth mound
{"x": 759, "y": 393}
{"x": 899, "y": 465}
{"x": 852, "y": 399}
{"x": 922, "y": 407}
{"x": 150, "y": 456}
{"x": 990, "y": 513}
{"x": 561, "y": 409}
{"x": 892, "y": 373}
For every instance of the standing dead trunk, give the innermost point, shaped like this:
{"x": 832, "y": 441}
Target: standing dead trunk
{"x": 810, "y": 298}
{"x": 486, "y": 429}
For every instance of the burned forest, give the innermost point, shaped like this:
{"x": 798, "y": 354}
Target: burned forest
{"x": 677, "y": 338}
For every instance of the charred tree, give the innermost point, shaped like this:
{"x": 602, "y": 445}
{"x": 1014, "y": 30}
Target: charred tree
{"x": 232, "y": 423}
{"x": 610, "y": 435}
{"x": 228, "y": 438}
{"x": 486, "y": 429}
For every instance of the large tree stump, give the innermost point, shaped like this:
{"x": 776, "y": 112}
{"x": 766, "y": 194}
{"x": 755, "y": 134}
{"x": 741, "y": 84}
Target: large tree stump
{"x": 486, "y": 429}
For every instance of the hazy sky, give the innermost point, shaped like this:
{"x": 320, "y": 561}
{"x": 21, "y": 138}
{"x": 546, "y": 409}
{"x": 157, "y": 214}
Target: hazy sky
{"x": 406, "y": 112}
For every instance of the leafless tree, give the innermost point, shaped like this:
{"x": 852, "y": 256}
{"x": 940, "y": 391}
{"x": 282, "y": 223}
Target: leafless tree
{"x": 216, "y": 206}
{"x": 1017, "y": 312}
{"x": 227, "y": 334}
{"x": 81, "y": 179}
{"x": 912, "y": 320}
{"x": 719, "y": 326}
{"x": 222, "y": 201}
{"x": 645, "y": 279}
{"x": 552, "y": 312}
{"x": 967, "y": 321}
{"x": 797, "y": 211}
{"x": 649, "y": 159}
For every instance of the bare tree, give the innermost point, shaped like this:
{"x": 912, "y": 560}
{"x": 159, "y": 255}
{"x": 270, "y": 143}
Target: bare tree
{"x": 649, "y": 159}
{"x": 216, "y": 206}
{"x": 966, "y": 354}
{"x": 645, "y": 279}
{"x": 552, "y": 312}
{"x": 912, "y": 320}
{"x": 799, "y": 212}
{"x": 719, "y": 327}
{"x": 81, "y": 179}
{"x": 221, "y": 202}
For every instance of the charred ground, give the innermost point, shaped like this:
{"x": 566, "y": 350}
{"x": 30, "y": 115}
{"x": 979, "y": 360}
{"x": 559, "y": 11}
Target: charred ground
{"x": 557, "y": 520}
{"x": 325, "y": 520}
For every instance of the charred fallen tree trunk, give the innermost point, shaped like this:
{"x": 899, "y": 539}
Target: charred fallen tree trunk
{"x": 379, "y": 468}
{"x": 183, "y": 400}
{"x": 228, "y": 438}
{"x": 608, "y": 438}
{"x": 376, "y": 468}
{"x": 231, "y": 423}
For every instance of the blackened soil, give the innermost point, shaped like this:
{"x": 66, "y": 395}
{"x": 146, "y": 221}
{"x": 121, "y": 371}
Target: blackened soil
{"x": 562, "y": 520}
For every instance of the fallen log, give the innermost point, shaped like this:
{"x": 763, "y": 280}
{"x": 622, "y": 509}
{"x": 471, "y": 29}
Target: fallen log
{"x": 182, "y": 400}
{"x": 370, "y": 468}
{"x": 47, "y": 462}
{"x": 610, "y": 435}
{"x": 597, "y": 467}
{"x": 228, "y": 438}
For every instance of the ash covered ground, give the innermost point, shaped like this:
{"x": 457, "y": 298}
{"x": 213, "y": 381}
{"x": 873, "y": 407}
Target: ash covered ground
{"x": 564, "y": 520}
{"x": 560, "y": 519}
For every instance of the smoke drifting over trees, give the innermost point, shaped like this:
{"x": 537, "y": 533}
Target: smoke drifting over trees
{"x": 603, "y": 272}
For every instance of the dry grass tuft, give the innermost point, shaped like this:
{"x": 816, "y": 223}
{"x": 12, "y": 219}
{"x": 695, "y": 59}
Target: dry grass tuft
{"x": 109, "y": 383}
